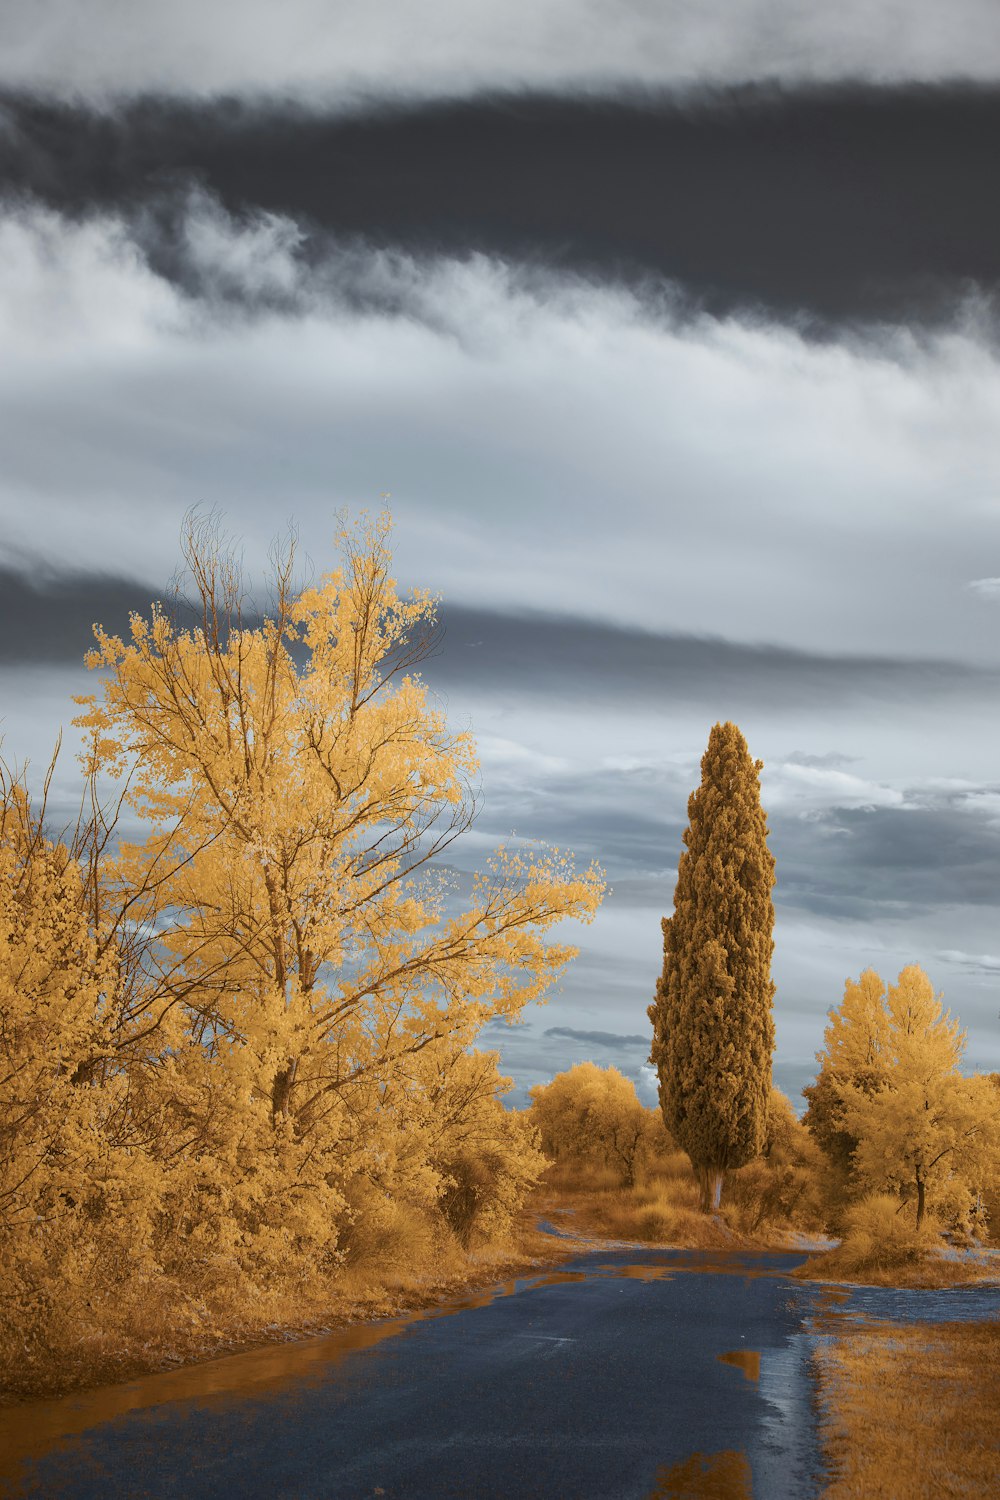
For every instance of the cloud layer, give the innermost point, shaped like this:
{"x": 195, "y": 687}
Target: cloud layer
{"x": 827, "y": 206}
{"x": 334, "y": 49}
{"x": 611, "y": 457}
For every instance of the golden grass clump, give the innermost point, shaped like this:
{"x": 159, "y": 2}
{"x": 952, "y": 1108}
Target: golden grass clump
{"x": 660, "y": 1209}
{"x": 880, "y": 1239}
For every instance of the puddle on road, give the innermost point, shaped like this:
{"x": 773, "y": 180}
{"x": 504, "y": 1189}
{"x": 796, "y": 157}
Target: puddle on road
{"x": 557, "y": 1278}
{"x": 705, "y": 1476}
{"x": 747, "y": 1360}
{"x": 827, "y": 1309}
{"x": 640, "y": 1273}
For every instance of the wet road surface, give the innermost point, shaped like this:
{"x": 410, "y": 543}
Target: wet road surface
{"x": 619, "y": 1376}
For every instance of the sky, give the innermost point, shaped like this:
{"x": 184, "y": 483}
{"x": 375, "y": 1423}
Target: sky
{"x": 672, "y": 334}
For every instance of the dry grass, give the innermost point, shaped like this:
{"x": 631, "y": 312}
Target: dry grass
{"x": 930, "y": 1274}
{"x": 883, "y": 1247}
{"x": 912, "y": 1412}
{"x": 661, "y": 1209}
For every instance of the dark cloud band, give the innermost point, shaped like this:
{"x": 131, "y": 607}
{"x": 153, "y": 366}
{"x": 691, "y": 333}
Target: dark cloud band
{"x": 837, "y": 203}
{"x": 49, "y": 617}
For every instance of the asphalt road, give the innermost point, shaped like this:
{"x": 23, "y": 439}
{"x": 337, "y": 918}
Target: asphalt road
{"x": 620, "y": 1376}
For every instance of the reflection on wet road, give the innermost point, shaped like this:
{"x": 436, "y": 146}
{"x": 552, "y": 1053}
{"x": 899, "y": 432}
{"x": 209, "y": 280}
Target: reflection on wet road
{"x": 619, "y": 1375}
{"x": 747, "y": 1360}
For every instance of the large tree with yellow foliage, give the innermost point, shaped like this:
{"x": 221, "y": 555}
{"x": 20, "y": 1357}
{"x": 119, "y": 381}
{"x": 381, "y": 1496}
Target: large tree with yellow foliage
{"x": 231, "y": 1043}
{"x": 713, "y": 1031}
{"x": 298, "y": 783}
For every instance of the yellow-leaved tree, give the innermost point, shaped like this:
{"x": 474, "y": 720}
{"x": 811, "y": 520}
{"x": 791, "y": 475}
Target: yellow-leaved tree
{"x": 918, "y": 1124}
{"x": 298, "y": 783}
{"x": 593, "y": 1115}
{"x": 237, "y": 1033}
{"x": 854, "y": 1051}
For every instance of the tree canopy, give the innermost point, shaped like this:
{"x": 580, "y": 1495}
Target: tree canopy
{"x": 230, "y": 1035}
{"x": 593, "y": 1115}
{"x": 713, "y": 1030}
{"x": 892, "y": 1061}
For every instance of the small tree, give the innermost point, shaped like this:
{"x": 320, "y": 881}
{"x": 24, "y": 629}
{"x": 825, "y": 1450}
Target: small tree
{"x": 854, "y": 1051}
{"x": 593, "y": 1114}
{"x": 713, "y": 1031}
{"x": 923, "y": 1123}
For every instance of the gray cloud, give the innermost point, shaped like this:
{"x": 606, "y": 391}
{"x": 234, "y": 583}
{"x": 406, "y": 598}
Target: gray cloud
{"x": 573, "y": 658}
{"x": 824, "y": 206}
{"x": 657, "y": 476}
{"x": 47, "y": 614}
{"x": 49, "y": 617}
{"x": 831, "y": 759}
{"x": 867, "y": 864}
{"x": 330, "y": 49}
{"x": 599, "y": 1038}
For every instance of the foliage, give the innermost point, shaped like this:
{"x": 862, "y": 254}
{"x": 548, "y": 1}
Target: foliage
{"x": 591, "y": 1114}
{"x": 712, "y": 1022}
{"x": 855, "y": 1043}
{"x": 782, "y": 1187}
{"x": 227, "y": 1044}
{"x": 917, "y": 1125}
{"x": 879, "y": 1237}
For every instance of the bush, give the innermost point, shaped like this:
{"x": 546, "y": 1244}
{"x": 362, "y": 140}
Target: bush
{"x": 785, "y": 1185}
{"x": 880, "y": 1235}
{"x": 385, "y": 1234}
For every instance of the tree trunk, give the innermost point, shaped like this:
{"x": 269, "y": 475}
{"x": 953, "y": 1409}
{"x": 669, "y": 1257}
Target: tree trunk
{"x": 281, "y": 1090}
{"x": 921, "y": 1196}
{"x": 710, "y": 1181}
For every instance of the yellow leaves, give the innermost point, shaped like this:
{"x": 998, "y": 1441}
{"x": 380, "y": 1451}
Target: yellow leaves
{"x": 217, "y": 1036}
{"x": 892, "y": 1062}
{"x": 592, "y": 1114}
{"x": 857, "y": 1034}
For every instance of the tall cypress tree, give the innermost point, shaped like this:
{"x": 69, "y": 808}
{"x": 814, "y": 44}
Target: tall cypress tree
{"x": 713, "y": 1031}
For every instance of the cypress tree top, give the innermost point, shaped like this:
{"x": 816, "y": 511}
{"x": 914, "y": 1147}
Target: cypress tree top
{"x": 713, "y": 1031}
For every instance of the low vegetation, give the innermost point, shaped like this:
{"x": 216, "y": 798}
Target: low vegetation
{"x": 912, "y": 1411}
{"x": 617, "y": 1172}
{"x": 238, "y": 1016}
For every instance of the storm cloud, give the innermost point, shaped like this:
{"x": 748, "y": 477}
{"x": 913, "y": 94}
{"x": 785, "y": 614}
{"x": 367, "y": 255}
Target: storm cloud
{"x": 824, "y": 205}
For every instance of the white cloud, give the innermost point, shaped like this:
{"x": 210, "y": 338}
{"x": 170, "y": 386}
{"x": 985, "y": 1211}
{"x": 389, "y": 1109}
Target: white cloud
{"x": 506, "y": 756}
{"x": 987, "y": 964}
{"x": 253, "y": 258}
{"x": 983, "y": 803}
{"x": 76, "y": 294}
{"x": 806, "y": 790}
{"x": 336, "y": 49}
{"x": 987, "y": 588}
{"x": 548, "y": 443}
